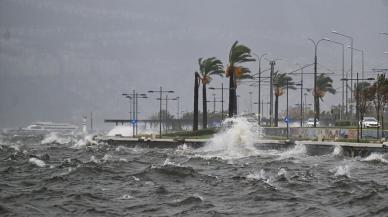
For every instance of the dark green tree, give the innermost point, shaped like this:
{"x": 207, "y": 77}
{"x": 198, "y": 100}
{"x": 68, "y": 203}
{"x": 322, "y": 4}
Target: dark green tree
{"x": 280, "y": 81}
{"x": 238, "y": 55}
{"x": 207, "y": 68}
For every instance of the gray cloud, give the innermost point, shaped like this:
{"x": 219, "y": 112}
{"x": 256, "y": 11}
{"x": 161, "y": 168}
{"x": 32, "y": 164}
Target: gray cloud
{"x": 61, "y": 59}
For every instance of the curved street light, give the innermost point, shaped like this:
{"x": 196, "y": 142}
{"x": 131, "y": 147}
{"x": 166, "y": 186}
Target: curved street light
{"x": 315, "y": 79}
{"x": 343, "y": 76}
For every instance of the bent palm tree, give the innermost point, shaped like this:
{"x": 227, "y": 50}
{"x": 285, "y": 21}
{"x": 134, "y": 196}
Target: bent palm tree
{"x": 280, "y": 82}
{"x": 238, "y": 54}
{"x": 207, "y": 68}
{"x": 324, "y": 84}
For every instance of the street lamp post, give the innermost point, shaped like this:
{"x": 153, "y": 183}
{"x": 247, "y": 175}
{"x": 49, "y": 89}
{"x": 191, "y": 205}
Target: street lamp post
{"x": 272, "y": 63}
{"x": 250, "y": 101}
{"x": 138, "y": 96}
{"x": 362, "y": 59}
{"x": 351, "y": 59}
{"x": 222, "y": 97}
{"x": 315, "y": 80}
{"x": 160, "y": 91}
{"x": 167, "y": 99}
{"x": 259, "y": 87}
{"x": 287, "y": 118}
{"x": 343, "y": 76}
{"x": 214, "y": 103}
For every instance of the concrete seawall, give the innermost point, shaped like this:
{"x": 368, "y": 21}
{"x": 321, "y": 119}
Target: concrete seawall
{"x": 312, "y": 147}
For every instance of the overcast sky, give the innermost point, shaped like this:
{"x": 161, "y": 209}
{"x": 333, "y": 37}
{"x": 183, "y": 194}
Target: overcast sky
{"x": 62, "y": 59}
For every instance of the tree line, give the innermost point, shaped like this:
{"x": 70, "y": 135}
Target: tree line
{"x": 236, "y": 71}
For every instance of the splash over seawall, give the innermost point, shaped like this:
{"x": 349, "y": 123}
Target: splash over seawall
{"x": 236, "y": 140}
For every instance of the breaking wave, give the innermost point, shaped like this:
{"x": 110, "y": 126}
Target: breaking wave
{"x": 235, "y": 141}
{"x": 375, "y": 157}
{"x": 54, "y": 137}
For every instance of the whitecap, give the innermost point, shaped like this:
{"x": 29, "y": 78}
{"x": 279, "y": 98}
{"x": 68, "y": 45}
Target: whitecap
{"x": 235, "y": 141}
{"x": 375, "y": 157}
{"x": 94, "y": 159}
{"x": 261, "y": 175}
{"x": 37, "y": 162}
{"x": 53, "y": 137}
{"x": 342, "y": 170}
{"x": 169, "y": 162}
{"x": 126, "y": 197}
{"x": 297, "y": 150}
{"x": 107, "y": 157}
{"x": 85, "y": 141}
{"x": 338, "y": 150}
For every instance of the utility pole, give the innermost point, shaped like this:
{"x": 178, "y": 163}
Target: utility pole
{"x": 214, "y": 103}
{"x": 160, "y": 91}
{"x": 134, "y": 112}
{"x": 91, "y": 121}
{"x": 288, "y": 120}
{"x": 250, "y": 102}
{"x": 301, "y": 97}
{"x": 272, "y": 64}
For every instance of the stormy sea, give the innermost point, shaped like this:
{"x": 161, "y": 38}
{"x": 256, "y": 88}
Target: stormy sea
{"x": 73, "y": 175}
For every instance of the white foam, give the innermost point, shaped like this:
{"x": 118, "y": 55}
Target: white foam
{"x": 237, "y": 141}
{"x": 37, "y": 162}
{"x": 282, "y": 172}
{"x": 107, "y": 157}
{"x": 375, "y": 157}
{"x": 169, "y": 162}
{"x": 297, "y": 150}
{"x": 126, "y": 197}
{"x": 342, "y": 170}
{"x": 125, "y": 130}
{"x": 86, "y": 140}
{"x": 123, "y": 159}
{"x": 257, "y": 175}
{"x": 94, "y": 159}
{"x": 53, "y": 137}
{"x": 337, "y": 150}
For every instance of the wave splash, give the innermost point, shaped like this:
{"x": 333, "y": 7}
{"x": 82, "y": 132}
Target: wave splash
{"x": 235, "y": 141}
{"x": 375, "y": 157}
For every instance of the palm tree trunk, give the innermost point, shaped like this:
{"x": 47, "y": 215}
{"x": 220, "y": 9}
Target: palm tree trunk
{"x": 276, "y": 110}
{"x": 196, "y": 88}
{"x": 204, "y": 107}
{"x": 232, "y": 95}
{"x": 317, "y": 106}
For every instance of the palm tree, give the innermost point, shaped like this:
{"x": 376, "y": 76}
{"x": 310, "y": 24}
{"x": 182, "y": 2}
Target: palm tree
{"x": 280, "y": 82}
{"x": 238, "y": 54}
{"x": 196, "y": 88}
{"x": 207, "y": 68}
{"x": 324, "y": 84}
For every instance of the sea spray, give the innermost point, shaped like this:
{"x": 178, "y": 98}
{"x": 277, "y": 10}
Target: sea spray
{"x": 54, "y": 137}
{"x": 234, "y": 141}
{"x": 337, "y": 150}
{"x": 37, "y": 162}
{"x": 375, "y": 157}
{"x": 297, "y": 150}
{"x": 84, "y": 141}
{"x": 342, "y": 170}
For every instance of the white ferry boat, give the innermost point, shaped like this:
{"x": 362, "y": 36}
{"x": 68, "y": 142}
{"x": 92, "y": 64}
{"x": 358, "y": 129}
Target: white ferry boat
{"x": 51, "y": 127}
